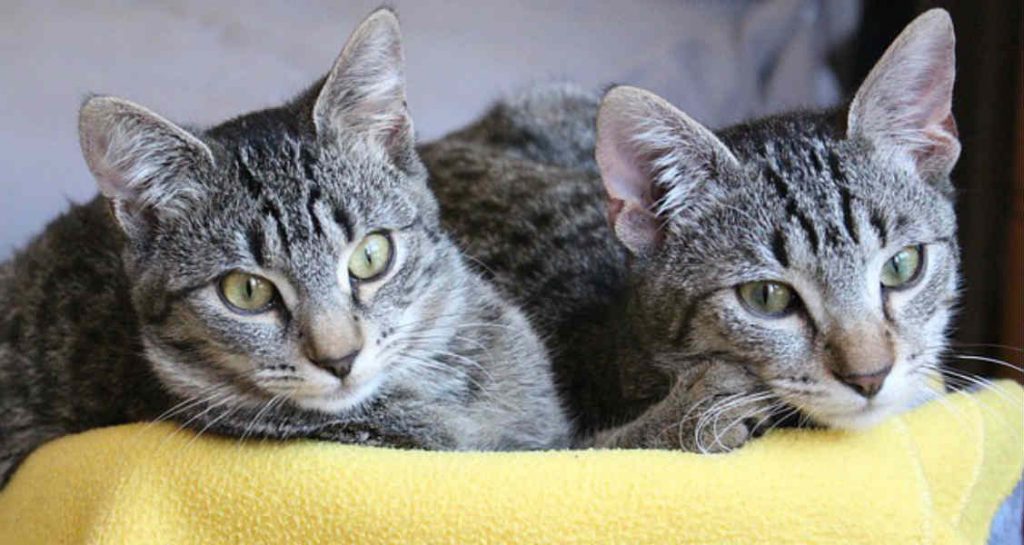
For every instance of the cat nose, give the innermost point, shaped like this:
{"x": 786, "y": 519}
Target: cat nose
{"x": 339, "y": 367}
{"x": 866, "y": 384}
{"x": 330, "y": 339}
{"x": 861, "y": 356}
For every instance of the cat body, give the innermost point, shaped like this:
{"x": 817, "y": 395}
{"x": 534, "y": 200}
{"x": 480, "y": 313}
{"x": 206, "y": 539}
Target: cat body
{"x": 520, "y": 192}
{"x": 282, "y": 274}
{"x": 704, "y": 286}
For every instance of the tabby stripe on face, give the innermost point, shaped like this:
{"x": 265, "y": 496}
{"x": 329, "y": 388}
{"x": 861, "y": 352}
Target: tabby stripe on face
{"x": 777, "y": 182}
{"x": 779, "y": 248}
{"x": 684, "y": 329}
{"x": 816, "y": 159}
{"x": 270, "y": 209}
{"x": 314, "y": 196}
{"x": 848, "y": 221}
{"x": 187, "y": 347}
{"x": 248, "y": 179}
{"x": 832, "y": 235}
{"x": 306, "y": 159}
{"x": 254, "y": 237}
{"x": 805, "y": 223}
{"x": 405, "y": 276}
{"x": 836, "y": 170}
{"x": 878, "y": 223}
{"x": 343, "y": 221}
{"x": 167, "y": 305}
{"x": 902, "y": 222}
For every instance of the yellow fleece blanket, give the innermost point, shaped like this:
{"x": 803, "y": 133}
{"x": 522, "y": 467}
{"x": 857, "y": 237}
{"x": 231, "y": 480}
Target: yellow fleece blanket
{"x": 935, "y": 475}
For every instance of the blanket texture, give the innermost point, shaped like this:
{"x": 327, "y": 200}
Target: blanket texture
{"x": 935, "y": 475}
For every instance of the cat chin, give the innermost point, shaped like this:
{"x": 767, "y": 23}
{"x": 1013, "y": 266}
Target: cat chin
{"x": 868, "y": 417}
{"x": 844, "y": 410}
{"x": 342, "y": 399}
{"x": 870, "y": 414}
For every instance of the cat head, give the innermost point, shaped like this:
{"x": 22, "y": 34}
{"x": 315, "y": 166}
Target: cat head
{"x": 282, "y": 253}
{"x": 818, "y": 251}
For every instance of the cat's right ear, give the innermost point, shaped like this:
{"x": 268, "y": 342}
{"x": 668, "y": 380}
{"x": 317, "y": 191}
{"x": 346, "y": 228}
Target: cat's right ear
{"x": 905, "y": 105}
{"x": 142, "y": 162}
{"x": 362, "y": 101}
{"x": 656, "y": 163}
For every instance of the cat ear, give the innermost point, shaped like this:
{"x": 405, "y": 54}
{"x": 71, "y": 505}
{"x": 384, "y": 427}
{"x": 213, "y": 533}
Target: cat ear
{"x": 140, "y": 160}
{"x": 655, "y": 162}
{"x": 904, "y": 107}
{"x": 363, "y": 97}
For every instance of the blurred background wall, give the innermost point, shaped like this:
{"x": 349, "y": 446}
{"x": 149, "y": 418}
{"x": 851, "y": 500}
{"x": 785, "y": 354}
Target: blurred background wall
{"x": 200, "y": 62}
{"x": 720, "y": 60}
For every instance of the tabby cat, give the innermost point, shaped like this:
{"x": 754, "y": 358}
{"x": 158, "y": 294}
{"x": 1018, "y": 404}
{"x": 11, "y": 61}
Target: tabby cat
{"x": 282, "y": 274}
{"x": 803, "y": 265}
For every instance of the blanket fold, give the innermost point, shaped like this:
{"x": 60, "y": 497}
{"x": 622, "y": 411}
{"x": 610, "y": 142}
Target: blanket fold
{"x": 934, "y": 475}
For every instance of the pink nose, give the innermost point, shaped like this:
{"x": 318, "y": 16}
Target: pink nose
{"x": 866, "y": 384}
{"x": 339, "y": 367}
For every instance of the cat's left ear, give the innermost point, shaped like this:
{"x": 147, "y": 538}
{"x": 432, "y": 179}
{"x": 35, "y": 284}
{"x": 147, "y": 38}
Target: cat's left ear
{"x": 362, "y": 101}
{"x": 657, "y": 163}
{"x": 904, "y": 107}
{"x": 145, "y": 165}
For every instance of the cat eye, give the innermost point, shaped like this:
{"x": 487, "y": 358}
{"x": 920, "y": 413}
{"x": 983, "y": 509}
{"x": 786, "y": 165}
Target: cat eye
{"x": 766, "y": 298}
{"x": 371, "y": 257}
{"x": 247, "y": 293}
{"x": 903, "y": 268}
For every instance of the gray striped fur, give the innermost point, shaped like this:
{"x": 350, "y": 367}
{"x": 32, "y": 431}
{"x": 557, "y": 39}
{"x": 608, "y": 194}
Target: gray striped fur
{"x": 650, "y": 339}
{"x": 112, "y": 314}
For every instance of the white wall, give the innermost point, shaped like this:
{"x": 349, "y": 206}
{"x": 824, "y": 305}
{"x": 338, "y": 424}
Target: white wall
{"x": 202, "y": 61}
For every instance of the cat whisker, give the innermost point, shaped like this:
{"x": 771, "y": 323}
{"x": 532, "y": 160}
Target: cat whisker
{"x": 989, "y": 345}
{"x": 783, "y": 412}
{"x": 756, "y": 411}
{"x": 213, "y": 403}
{"x": 715, "y": 411}
{"x": 212, "y": 422}
{"x": 266, "y": 407}
{"x": 718, "y": 434}
{"x": 430, "y": 363}
{"x": 1001, "y": 363}
{"x": 961, "y": 381}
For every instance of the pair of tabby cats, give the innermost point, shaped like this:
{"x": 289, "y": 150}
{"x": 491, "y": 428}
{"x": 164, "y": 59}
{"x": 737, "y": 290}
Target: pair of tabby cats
{"x": 299, "y": 271}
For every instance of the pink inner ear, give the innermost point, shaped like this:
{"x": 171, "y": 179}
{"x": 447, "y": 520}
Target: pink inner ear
{"x": 905, "y": 104}
{"x": 624, "y": 178}
{"x": 941, "y": 138}
{"x": 397, "y": 129}
{"x": 629, "y": 196}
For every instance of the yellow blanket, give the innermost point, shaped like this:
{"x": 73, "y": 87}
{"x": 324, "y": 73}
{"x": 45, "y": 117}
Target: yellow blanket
{"x": 935, "y": 475}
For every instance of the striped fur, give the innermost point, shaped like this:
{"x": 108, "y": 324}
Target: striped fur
{"x": 644, "y": 319}
{"x": 114, "y": 317}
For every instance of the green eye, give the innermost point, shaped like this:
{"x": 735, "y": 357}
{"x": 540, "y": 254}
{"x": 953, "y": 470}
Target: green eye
{"x": 371, "y": 257}
{"x": 771, "y": 299}
{"x": 247, "y": 293}
{"x": 902, "y": 268}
